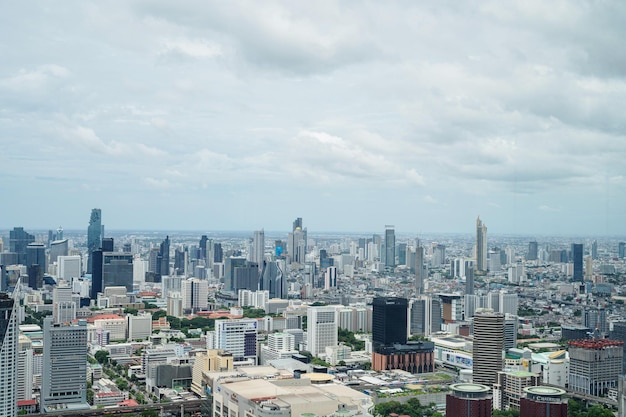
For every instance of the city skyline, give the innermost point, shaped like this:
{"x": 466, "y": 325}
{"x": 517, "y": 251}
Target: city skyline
{"x": 240, "y": 117}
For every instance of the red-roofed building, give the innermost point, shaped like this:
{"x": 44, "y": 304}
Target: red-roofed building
{"x": 29, "y": 406}
{"x": 595, "y": 365}
{"x": 128, "y": 403}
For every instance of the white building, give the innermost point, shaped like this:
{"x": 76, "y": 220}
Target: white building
{"x": 69, "y": 267}
{"x": 195, "y": 294}
{"x": 279, "y": 346}
{"x": 321, "y": 329}
{"x": 239, "y": 337}
{"x": 63, "y": 306}
{"x": 8, "y": 358}
{"x": 255, "y": 299}
{"x": 115, "y": 324}
{"x": 139, "y": 326}
{"x": 25, "y": 369}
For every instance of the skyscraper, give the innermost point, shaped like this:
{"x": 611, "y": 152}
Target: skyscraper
{"x": 273, "y": 280}
{"x": 94, "y": 236}
{"x": 577, "y": 258}
{"x": 390, "y": 246}
{"x": 621, "y": 249}
{"x": 202, "y": 247}
{"x": 488, "y": 346}
{"x": 164, "y": 252}
{"x": 481, "y": 246}
{"x": 321, "y": 329}
{"x": 64, "y": 365}
{"x": 36, "y": 255}
{"x": 532, "y": 251}
{"x": 8, "y": 356}
{"x": 421, "y": 270}
{"x": 18, "y": 241}
{"x": 258, "y": 247}
{"x": 389, "y": 321}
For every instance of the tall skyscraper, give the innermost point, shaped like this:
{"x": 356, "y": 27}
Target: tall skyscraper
{"x": 94, "y": 236}
{"x": 322, "y": 329}
{"x": 164, "y": 252}
{"x": 533, "y": 251}
{"x": 488, "y": 356}
{"x": 390, "y": 246}
{"x": 621, "y": 249}
{"x": 421, "y": 270}
{"x": 577, "y": 258}
{"x": 481, "y": 245}
{"x": 273, "y": 280}
{"x": 18, "y": 241}
{"x": 297, "y": 224}
{"x": 194, "y": 293}
{"x": 389, "y": 321}
{"x": 258, "y": 247}
{"x": 594, "y": 250}
{"x": 469, "y": 279}
{"x": 36, "y": 255}
{"x": 8, "y": 356}
{"x": 117, "y": 270}
{"x": 202, "y": 247}
{"x": 238, "y": 337}
{"x": 64, "y": 366}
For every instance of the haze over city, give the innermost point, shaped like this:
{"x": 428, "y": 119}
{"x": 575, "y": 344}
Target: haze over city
{"x": 238, "y": 116}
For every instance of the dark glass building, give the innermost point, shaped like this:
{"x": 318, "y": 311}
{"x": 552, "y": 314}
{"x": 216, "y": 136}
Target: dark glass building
{"x": 18, "y": 241}
{"x": 577, "y": 258}
{"x": 389, "y": 321}
{"x": 94, "y": 236}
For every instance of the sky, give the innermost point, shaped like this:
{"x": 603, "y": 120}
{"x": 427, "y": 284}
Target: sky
{"x": 242, "y": 115}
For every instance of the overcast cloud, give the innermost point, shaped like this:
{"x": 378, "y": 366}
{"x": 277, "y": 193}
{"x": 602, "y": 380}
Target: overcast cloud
{"x": 245, "y": 114}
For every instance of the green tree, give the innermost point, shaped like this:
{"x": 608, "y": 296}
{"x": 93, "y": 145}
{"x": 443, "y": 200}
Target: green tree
{"x": 102, "y": 356}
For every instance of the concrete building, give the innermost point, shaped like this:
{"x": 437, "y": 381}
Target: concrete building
{"x": 509, "y": 388}
{"x": 322, "y": 329}
{"x": 279, "y": 346}
{"x": 69, "y": 267}
{"x": 469, "y": 400}
{"x": 64, "y": 384}
{"x": 488, "y": 355}
{"x": 595, "y": 365}
{"x": 194, "y": 293}
{"x": 238, "y": 337}
{"x": 139, "y": 327}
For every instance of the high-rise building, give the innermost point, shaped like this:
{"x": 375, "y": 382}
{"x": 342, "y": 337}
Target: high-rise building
{"x": 8, "y": 355}
{"x": 542, "y": 401}
{"x": 322, "y": 329}
{"x": 389, "y": 321}
{"x": 202, "y": 247}
{"x": 238, "y": 337}
{"x": 36, "y": 255}
{"x": 424, "y": 315}
{"x": 595, "y": 319}
{"x": 58, "y": 248}
{"x": 619, "y": 333}
{"x": 64, "y": 366}
{"x": 533, "y": 251}
{"x": 595, "y": 365}
{"x": 117, "y": 270}
{"x": 488, "y": 356}
{"x": 594, "y": 250}
{"x": 195, "y": 294}
{"x": 94, "y": 236}
{"x": 390, "y": 246}
{"x": 273, "y": 280}
{"x": 469, "y": 278}
{"x": 421, "y": 270}
{"x": 577, "y": 258}
{"x": 258, "y": 247}
{"x": 621, "y": 250}
{"x": 509, "y": 387}
{"x": 164, "y": 251}
{"x": 469, "y": 400}
{"x": 330, "y": 278}
{"x": 481, "y": 245}
{"x": 18, "y": 241}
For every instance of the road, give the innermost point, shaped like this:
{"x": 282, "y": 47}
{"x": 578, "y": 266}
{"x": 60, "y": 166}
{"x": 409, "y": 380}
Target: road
{"x": 189, "y": 406}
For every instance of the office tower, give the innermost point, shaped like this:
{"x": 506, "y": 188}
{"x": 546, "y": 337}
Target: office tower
{"x": 330, "y": 278}
{"x": 272, "y": 280}
{"x": 510, "y": 331}
{"x": 36, "y": 255}
{"x": 58, "y": 248}
{"x": 321, "y": 329}
{"x": 117, "y": 270}
{"x": 25, "y": 369}
{"x": 246, "y": 277}
{"x": 389, "y": 321}
{"x": 451, "y": 308}
{"x": 164, "y": 252}
{"x": 577, "y": 258}
{"x": 542, "y": 401}
{"x": 481, "y": 246}
{"x": 595, "y": 365}
{"x": 231, "y": 264}
{"x": 195, "y": 294}
{"x": 179, "y": 261}
{"x": 239, "y": 337}
{"x": 594, "y": 250}
{"x": 96, "y": 259}
{"x": 218, "y": 253}
{"x": 108, "y": 245}
{"x": 424, "y": 315}
{"x": 258, "y": 247}
{"x": 63, "y": 306}
{"x": 279, "y": 346}
{"x": 64, "y": 366}
{"x": 8, "y": 355}
{"x": 402, "y": 252}
{"x": 621, "y": 249}
{"x": 470, "y": 304}
{"x": 94, "y": 236}
{"x": 469, "y": 400}
{"x": 532, "y": 251}
{"x": 488, "y": 346}
{"x": 439, "y": 255}
{"x": 35, "y": 276}
{"x": 508, "y": 303}
{"x": 596, "y": 320}
{"x": 18, "y": 241}
{"x": 421, "y": 270}
{"x": 509, "y": 387}
{"x": 296, "y": 246}
{"x": 202, "y": 247}
{"x": 138, "y": 327}
{"x": 390, "y": 246}
{"x": 619, "y": 333}
{"x": 469, "y": 279}
{"x": 297, "y": 224}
